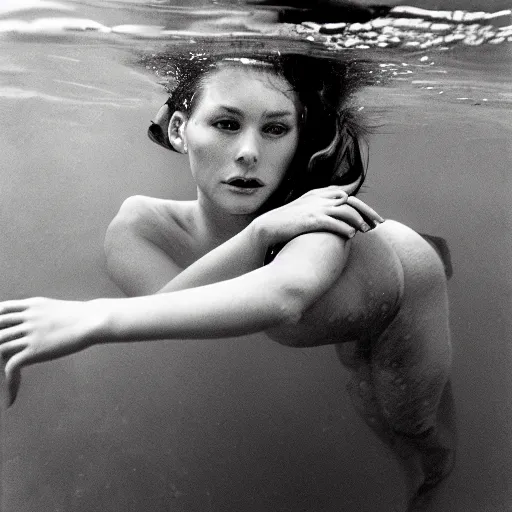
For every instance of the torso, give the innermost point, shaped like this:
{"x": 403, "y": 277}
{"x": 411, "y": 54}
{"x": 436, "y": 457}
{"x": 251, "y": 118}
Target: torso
{"x": 383, "y": 269}
{"x": 172, "y": 227}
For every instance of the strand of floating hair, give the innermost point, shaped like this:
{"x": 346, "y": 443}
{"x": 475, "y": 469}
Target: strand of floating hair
{"x": 328, "y": 151}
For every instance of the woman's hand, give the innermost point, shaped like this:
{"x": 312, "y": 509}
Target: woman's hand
{"x": 37, "y": 329}
{"x": 325, "y": 209}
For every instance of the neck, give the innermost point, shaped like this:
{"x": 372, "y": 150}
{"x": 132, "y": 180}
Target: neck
{"x": 217, "y": 226}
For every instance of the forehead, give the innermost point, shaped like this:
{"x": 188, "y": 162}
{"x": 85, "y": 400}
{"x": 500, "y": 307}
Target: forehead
{"x": 242, "y": 84}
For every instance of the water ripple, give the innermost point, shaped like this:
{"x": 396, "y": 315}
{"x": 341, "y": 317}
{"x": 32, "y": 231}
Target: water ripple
{"x": 8, "y": 7}
{"x": 404, "y": 27}
{"x": 14, "y": 93}
{"x": 410, "y": 43}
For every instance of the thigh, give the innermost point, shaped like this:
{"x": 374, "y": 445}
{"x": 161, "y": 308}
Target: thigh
{"x": 410, "y": 364}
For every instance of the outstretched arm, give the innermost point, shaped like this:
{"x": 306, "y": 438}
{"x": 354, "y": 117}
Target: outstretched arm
{"x": 35, "y": 330}
{"x": 266, "y": 297}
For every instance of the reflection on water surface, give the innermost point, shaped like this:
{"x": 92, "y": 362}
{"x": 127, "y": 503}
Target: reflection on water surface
{"x": 398, "y": 41}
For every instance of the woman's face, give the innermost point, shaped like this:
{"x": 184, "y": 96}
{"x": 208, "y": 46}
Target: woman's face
{"x": 241, "y": 137}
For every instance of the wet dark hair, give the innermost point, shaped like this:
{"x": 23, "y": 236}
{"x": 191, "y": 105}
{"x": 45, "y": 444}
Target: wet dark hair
{"x": 332, "y": 131}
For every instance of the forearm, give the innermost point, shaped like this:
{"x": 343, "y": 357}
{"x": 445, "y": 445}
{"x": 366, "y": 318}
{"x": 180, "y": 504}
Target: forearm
{"x": 239, "y": 255}
{"x": 231, "y": 308}
{"x": 269, "y": 296}
{"x": 38, "y": 329}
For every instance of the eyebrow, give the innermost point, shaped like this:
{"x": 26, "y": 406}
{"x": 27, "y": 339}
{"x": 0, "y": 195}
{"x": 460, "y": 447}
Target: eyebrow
{"x": 277, "y": 113}
{"x": 280, "y": 113}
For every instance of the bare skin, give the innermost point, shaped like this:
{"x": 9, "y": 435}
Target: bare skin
{"x": 386, "y": 313}
{"x": 195, "y": 269}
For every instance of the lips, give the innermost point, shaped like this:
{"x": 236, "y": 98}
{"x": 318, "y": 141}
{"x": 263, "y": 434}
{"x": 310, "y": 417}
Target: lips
{"x": 242, "y": 182}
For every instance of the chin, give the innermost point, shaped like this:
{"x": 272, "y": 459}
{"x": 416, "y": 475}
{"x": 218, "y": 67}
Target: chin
{"x": 242, "y": 210}
{"x": 242, "y": 207}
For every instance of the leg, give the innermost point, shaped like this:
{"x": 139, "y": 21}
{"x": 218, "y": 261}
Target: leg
{"x": 410, "y": 366}
{"x": 362, "y": 393}
{"x": 400, "y": 388}
{"x": 441, "y": 446}
{"x": 440, "y": 245}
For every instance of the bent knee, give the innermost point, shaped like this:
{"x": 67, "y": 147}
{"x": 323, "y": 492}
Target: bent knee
{"x": 440, "y": 245}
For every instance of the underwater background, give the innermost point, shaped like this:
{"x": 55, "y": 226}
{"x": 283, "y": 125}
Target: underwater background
{"x": 239, "y": 424}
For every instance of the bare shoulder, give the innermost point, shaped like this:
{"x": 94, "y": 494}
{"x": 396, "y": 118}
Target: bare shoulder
{"x": 154, "y": 218}
{"x": 165, "y": 223}
{"x": 146, "y": 213}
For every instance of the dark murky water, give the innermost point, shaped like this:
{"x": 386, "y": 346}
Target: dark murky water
{"x": 246, "y": 424}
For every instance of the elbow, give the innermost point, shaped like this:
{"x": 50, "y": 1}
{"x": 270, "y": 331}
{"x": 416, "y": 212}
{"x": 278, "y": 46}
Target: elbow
{"x": 291, "y": 306}
{"x": 293, "y": 295}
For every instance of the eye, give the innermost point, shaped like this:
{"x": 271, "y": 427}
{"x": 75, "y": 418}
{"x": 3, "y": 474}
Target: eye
{"x": 227, "y": 125}
{"x": 276, "y": 129}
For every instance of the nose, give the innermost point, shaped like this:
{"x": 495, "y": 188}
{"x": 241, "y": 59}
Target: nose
{"x": 248, "y": 149}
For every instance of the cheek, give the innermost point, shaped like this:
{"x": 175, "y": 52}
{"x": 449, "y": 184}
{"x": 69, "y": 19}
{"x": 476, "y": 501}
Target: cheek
{"x": 207, "y": 158}
{"x": 204, "y": 147}
{"x": 288, "y": 152}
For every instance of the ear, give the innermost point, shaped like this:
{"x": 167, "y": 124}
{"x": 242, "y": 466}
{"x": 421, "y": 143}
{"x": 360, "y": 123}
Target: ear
{"x": 176, "y": 131}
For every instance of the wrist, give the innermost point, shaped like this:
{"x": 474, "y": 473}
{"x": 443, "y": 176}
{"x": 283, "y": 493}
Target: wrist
{"x": 259, "y": 235}
{"x": 100, "y": 328}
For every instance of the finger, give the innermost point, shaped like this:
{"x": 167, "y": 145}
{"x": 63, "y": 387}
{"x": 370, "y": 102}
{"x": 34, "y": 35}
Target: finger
{"x": 334, "y": 192}
{"x": 338, "y": 201}
{"x": 10, "y": 319}
{"x": 329, "y": 191}
{"x": 7, "y": 350}
{"x": 12, "y": 306}
{"x": 364, "y": 209}
{"x": 349, "y": 215}
{"x": 12, "y": 333}
{"x": 13, "y": 375}
{"x": 13, "y": 387}
{"x": 339, "y": 198}
{"x": 337, "y": 227}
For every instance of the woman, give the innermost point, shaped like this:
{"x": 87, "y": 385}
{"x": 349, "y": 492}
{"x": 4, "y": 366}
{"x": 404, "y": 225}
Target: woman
{"x": 274, "y": 149}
